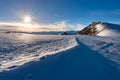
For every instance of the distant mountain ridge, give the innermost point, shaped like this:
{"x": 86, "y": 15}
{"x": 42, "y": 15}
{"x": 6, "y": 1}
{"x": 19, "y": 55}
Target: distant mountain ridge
{"x": 95, "y": 28}
{"x": 101, "y": 29}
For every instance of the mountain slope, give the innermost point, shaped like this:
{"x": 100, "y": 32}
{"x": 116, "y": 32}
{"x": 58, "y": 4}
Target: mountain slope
{"x": 101, "y": 29}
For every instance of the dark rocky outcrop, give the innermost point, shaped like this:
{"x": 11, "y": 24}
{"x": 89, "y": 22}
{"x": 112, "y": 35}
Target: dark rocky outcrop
{"x": 90, "y": 29}
{"x": 63, "y": 33}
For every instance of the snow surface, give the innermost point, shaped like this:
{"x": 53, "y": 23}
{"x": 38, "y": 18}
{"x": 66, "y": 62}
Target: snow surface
{"x": 19, "y": 48}
{"x": 107, "y": 46}
{"x": 108, "y": 29}
{"x": 100, "y": 27}
{"x": 24, "y": 56}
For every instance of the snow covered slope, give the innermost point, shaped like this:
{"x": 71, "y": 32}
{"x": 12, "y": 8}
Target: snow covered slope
{"x": 24, "y": 56}
{"x": 101, "y": 29}
{"x": 19, "y": 48}
{"x": 77, "y": 63}
{"x": 109, "y": 47}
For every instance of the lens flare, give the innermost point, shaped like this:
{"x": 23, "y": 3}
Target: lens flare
{"x": 27, "y": 19}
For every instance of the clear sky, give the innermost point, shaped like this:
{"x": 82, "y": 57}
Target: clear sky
{"x": 72, "y": 11}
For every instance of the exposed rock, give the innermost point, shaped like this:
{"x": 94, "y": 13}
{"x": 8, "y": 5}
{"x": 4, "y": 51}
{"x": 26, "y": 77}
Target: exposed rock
{"x": 63, "y": 33}
{"x": 91, "y": 29}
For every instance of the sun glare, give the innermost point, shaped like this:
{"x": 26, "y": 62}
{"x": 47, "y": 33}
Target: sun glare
{"x": 27, "y": 19}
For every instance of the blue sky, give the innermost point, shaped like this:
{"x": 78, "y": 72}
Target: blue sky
{"x": 51, "y": 11}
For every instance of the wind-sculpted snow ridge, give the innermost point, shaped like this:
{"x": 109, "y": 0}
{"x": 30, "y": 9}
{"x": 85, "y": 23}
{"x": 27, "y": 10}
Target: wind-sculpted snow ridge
{"x": 17, "y": 49}
{"x": 107, "y": 46}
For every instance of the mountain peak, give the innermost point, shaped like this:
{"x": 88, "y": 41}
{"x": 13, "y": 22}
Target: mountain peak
{"x": 101, "y": 29}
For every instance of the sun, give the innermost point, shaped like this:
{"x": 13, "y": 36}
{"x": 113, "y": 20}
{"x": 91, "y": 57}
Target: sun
{"x": 27, "y": 19}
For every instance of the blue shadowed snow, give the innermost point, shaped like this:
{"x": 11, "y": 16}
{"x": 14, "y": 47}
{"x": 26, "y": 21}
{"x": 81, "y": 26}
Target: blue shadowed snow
{"x": 106, "y": 46}
{"x": 78, "y": 63}
{"x": 111, "y": 26}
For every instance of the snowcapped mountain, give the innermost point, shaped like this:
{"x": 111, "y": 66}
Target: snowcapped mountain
{"x": 101, "y": 29}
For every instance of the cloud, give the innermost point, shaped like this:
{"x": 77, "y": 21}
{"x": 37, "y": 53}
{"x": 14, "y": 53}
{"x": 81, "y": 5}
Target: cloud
{"x": 35, "y": 27}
